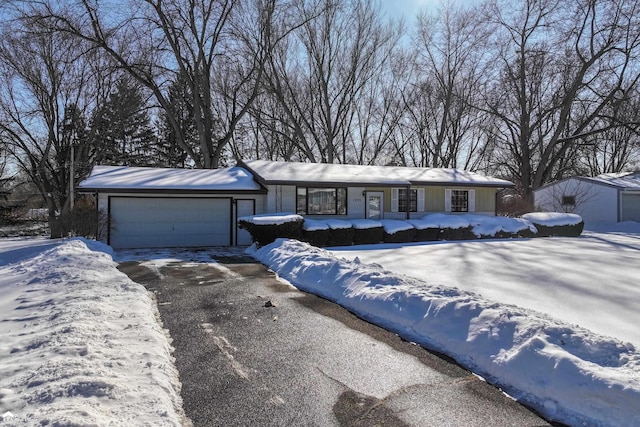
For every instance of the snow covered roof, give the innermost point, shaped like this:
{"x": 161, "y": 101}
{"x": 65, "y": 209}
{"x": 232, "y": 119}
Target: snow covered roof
{"x": 626, "y": 180}
{"x": 125, "y": 178}
{"x": 269, "y": 172}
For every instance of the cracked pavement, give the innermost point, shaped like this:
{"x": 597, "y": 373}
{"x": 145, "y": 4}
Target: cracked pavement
{"x": 252, "y": 350}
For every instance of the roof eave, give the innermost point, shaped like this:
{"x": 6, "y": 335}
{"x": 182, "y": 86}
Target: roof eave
{"x": 89, "y": 190}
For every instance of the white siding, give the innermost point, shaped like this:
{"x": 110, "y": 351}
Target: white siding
{"x": 355, "y": 202}
{"x": 447, "y": 200}
{"x": 281, "y": 198}
{"x": 394, "y": 199}
{"x": 595, "y": 203}
{"x": 288, "y": 199}
{"x": 420, "y": 200}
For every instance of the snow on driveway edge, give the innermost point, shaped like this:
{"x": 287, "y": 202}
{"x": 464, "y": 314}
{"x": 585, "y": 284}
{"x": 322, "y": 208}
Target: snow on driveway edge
{"x": 565, "y": 372}
{"x": 82, "y": 343}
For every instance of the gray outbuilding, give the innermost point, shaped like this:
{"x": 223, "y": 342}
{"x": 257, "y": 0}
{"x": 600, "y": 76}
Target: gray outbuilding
{"x": 607, "y": 198}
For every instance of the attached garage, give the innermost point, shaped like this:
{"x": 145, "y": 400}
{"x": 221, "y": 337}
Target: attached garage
{"x": 163, "y": 208}
{"x": 154, "y": 222}
{"x": 630, "y": 210}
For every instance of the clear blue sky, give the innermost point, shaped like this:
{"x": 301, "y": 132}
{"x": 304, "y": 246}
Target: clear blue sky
{"x": 407, "y": 8}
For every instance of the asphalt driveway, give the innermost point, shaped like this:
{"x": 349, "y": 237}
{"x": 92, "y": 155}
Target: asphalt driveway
{"x": 252, "y": 350}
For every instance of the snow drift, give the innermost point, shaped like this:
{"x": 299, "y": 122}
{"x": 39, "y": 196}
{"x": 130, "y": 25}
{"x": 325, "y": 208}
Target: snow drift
{"x": 81, "y": 342}
{"x": 567, "y": 373}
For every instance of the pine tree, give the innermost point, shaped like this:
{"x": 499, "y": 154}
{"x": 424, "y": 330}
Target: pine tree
{"x": 168, "y": 151}
{"x": 121, "y": 129}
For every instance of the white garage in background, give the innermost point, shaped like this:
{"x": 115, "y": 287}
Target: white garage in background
{"x": 606, "y": 198}
{"x": 153, "y": 207}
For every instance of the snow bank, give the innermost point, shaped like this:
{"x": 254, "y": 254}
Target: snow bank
{"x": 81, "y": 342}
{"x": 553, "y": 219}
{"x": 271, "y": 219}
{"x": 567, "y": 373}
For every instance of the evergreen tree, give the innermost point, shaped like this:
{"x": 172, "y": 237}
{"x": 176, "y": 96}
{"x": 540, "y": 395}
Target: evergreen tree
{"x": 168, "y": 151}
{"x": 121, "y": 129}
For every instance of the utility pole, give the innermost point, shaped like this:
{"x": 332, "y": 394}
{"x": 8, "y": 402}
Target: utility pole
{"x": 68, "y": 127}
{"x": 71, "y": 177}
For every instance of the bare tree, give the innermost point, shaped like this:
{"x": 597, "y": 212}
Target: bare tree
{"x": 205, "y": 42}
{"x": 565, "y": 70}
{"x": 617, "y": 148}
{"x": 441, "y": 101}
{"x": 47, "y": 87}
{"x": 323, "y": 71}
{"x": 569, "y": 196}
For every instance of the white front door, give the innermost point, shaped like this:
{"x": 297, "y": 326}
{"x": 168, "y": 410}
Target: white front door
{"x": 375, "y": 205}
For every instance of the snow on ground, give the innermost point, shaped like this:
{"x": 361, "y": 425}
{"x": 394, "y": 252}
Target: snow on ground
{"x": 81, "y": 343}
{"x": 592, "y": 281}
{"x": 553, "y": 321}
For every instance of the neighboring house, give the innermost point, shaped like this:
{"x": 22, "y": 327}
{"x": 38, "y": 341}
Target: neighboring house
{"x": 154, "y": 207}
{"x": 606, "y": 198}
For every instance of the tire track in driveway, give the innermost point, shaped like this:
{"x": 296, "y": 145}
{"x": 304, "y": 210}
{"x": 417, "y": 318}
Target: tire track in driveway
{"x": 302, "y": 360}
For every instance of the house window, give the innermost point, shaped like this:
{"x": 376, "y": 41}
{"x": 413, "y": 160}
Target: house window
{"x": 412, "y": 200}
{"x": 459, "y": 201}
{"x": 321, "y": 201}
{"x": 568, "y": 200}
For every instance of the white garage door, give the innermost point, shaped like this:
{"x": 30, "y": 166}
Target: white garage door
{"x": 631, "y": 207}
{"x": 146, "y": 222}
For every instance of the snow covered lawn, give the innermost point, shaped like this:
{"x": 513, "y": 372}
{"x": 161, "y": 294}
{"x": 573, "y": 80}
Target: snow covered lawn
{"x": 592, "y": 281}
{"x": 81, "y": 343}
{"x": 553, "y": 321}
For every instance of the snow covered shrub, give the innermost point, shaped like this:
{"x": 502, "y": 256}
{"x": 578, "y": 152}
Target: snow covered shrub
{"x": 426, "y": 231}
{"x": 367, "y": 232}
{"x": 315, "y": 233}
{"x": 340, "y": 232}
{"x": 501, "y": 227}
{"x": 452, "y": 227}
{"x": 556, "y": 223}
{"x": 319, "y": 238}
{"x": 462, "y": 233}
{"x": 398, "y": 231}
{"x": 428, "y": 234}
{"x": 265, "y": 229}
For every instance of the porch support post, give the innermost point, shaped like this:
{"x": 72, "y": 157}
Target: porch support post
{"x": 408, "y": 213}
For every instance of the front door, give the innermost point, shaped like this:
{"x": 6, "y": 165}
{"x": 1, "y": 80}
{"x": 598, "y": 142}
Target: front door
{"x": 375, "y": 204}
